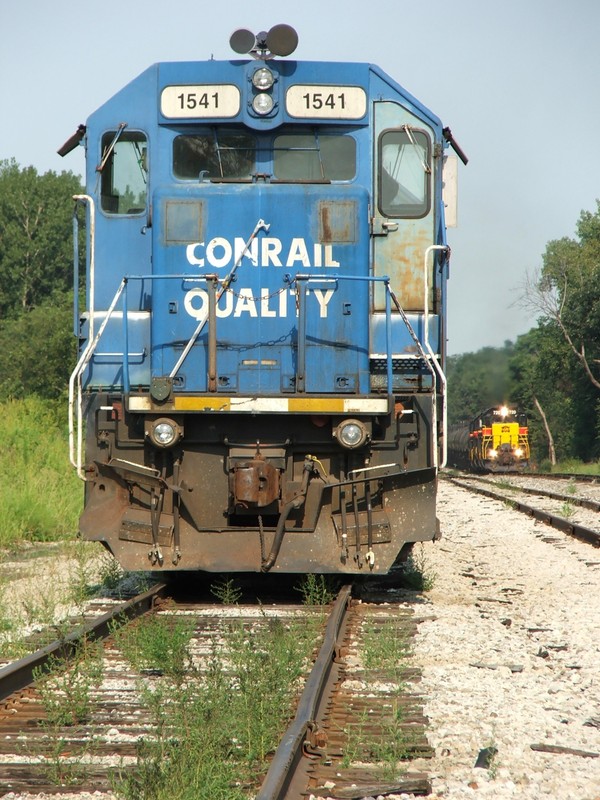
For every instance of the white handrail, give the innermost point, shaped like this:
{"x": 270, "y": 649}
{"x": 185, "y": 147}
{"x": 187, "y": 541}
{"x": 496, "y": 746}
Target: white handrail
{"x": 75, "y": 453}
{"x": 436, "y": 365}
{"x": 85, "y": 198}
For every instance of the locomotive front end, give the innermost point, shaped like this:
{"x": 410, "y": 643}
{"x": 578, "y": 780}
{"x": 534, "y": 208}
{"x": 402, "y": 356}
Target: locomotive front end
{"x": 261, "y": 379}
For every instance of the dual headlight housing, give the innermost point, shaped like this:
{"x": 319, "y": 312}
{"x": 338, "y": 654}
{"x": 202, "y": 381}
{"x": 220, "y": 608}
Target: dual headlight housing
{"x": 263, "y": 80}
{"x": 165, "y": 432}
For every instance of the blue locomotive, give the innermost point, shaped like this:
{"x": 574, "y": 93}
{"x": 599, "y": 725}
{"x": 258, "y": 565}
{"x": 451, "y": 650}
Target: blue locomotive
{"x": 261, "y": 375}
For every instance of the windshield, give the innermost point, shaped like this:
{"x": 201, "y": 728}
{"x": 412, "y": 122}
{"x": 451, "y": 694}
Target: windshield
{"x": 305, "y": 156}
{"x": 238, "y": 155}
{"x": 216, "y": 154}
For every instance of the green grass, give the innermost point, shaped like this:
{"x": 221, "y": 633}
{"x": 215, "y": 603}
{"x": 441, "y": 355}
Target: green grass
{"x": 66, "y": 685}
{"x": 566, "y": 510}
{"x": 416, "y": 572}
{"x": 40, "y": 495}
{"x": 225, "y": 590}
{"x": 383, "y": 740}
{"x": 67, "y": 689}
{"x": 158, "y": 645}
{"x": 572, "y": 466}
{"x": 317, "y": 590}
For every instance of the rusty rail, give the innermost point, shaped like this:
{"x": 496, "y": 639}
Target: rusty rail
{"x": 289, "y": 752}
{"x": 18, "y": 675}
{"x": 582, "y": 502}
{"x": 559, "y": 523}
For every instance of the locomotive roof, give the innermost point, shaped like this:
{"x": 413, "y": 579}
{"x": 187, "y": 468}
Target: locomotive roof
{"x": 152, "y": 80}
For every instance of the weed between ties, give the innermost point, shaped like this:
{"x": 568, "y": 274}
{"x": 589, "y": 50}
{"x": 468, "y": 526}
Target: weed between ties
{"x": 215, "y": 722}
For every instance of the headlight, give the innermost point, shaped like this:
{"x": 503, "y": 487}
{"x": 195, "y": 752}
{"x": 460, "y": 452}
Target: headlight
{"x": 492, "y": 453}
{"x": 518, "y": 452}
{"x": 164, "y": 433}
{"x": 351, "y": 433}
{"x": 262, "y": 103}
{"x": 263, "y": 79}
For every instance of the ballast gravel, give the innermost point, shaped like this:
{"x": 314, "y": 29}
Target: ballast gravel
{"x": 510, "y": 654}
{"x": 509, "y": 649}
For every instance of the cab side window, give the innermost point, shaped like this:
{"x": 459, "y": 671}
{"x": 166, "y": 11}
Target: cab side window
{"x": 124, "y": 172}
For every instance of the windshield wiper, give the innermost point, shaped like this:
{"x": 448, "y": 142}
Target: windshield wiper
{"x": 108, "y": 152}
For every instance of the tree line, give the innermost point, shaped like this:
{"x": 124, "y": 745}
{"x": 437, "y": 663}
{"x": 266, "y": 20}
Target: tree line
{"x": 37, "y": 345}
{"x": 552, "y": 372}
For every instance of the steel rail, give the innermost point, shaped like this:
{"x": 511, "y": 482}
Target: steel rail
{"x": 559, "y": 523}
{"x": 289, "y": 752}
{"x": 582, "y": 502}
{"x": 567, "y": 476}
{"x": 18, "y": 675}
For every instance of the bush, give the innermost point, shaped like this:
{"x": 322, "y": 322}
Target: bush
{"x": 38, "y": 350}
{"x": 40, "y": 495}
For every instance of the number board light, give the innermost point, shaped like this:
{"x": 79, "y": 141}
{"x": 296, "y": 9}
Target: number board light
{"x": 198, "y": 101}
{"x": 326, "y": 102}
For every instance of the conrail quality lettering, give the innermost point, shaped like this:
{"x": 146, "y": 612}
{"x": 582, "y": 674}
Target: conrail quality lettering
{"x": 221, "y": 253}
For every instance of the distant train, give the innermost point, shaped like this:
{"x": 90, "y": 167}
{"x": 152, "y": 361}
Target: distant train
{"x": 261, "y": 377}
{"x": 495, "y": 440}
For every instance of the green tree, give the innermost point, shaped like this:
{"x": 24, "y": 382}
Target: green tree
{"x": 38, "y": 350}
{"x": 542, "y": 378}
{"x": 567, "y": 293}
{"x": 36, "y": 251}
{"x": 477, "y": 381}
{"x": 562, "y": 364}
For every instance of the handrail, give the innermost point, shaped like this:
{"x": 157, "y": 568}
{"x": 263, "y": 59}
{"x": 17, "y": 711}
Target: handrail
{"x": 435, "y": 363}
{"x": 427, "y": 358}
{"x": 84, "y": 360}
{"x": 75, "y": 381}
{"x": 81, "y": 198}
{"x": 75, "y": 384}
{"x": 260, "y": 225}
{"x": 84, "y": 198}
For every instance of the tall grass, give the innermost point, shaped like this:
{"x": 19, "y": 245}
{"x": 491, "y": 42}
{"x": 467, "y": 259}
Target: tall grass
{"x": 40, "y": 496}
{"x": 575, "y": 466}
{"x": 570, "y": 466}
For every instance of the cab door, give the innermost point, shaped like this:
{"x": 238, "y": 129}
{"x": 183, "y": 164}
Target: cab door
{"x": 403, "y": 222}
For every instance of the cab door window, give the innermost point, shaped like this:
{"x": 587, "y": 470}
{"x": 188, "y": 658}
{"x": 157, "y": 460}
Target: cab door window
{"x": 405, "y": 172}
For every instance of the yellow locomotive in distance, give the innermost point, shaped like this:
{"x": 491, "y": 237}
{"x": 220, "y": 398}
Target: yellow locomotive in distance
{"x": 495, "y": 440}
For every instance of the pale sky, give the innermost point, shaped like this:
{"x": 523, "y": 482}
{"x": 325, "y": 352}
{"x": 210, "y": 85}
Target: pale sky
{"x": 518, "y": 82}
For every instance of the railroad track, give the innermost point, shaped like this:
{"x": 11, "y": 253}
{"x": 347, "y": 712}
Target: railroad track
{"x": 19, "y": 674}
{"x": 347, "y": 708}
{"x": 25, "y": 743}
{"x": 330, "y": 750}
{"x": 510, "y": 489}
